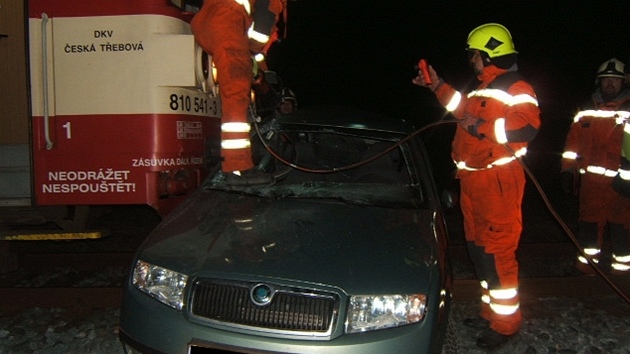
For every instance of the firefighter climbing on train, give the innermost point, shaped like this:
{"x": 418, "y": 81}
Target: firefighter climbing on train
{"x": 234, "y": 32}
{"x": 593, "y": 152}
{"x": 496, "y": 122}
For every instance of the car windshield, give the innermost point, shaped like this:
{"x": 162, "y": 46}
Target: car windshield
{"x": 328, "y": 165}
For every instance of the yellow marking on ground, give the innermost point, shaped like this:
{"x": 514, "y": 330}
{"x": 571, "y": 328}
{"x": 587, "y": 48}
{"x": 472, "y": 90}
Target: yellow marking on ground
{"x": 52, "y": 236}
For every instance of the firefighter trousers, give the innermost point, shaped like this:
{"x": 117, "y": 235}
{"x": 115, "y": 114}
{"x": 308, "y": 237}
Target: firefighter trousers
{"x": 220, "y": 28}
{"x": 491, "y": 205}
{"x": 602, "y": 207}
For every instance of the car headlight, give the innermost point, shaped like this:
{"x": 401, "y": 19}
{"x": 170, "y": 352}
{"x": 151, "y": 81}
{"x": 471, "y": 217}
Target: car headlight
{"x": 372, "y": 312}
{"x": 165, "y": 285}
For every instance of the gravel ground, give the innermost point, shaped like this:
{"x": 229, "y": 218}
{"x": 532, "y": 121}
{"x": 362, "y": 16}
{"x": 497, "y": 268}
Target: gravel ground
{"x": 60, "y": 331}
{"x": 552, "y": 325}
{"x": 559, "y": 325}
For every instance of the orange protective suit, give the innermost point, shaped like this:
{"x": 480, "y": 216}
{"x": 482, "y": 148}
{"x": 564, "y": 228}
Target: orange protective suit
{"x": 223, "y": 29}
{"x": 492, "y": 183}
{"x": 593, "y": 148}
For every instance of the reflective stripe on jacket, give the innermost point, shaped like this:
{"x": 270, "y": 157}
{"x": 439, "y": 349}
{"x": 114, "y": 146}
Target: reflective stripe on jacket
{"x": 510, "y": 116}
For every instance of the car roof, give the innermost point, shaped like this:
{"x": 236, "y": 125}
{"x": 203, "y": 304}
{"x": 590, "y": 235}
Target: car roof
{"x": 347, "y": 119}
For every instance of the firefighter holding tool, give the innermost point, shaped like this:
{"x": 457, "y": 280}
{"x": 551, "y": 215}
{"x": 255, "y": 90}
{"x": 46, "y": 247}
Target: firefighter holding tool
{"x": 233, "y": 32}
{"x": 495, "y": 123}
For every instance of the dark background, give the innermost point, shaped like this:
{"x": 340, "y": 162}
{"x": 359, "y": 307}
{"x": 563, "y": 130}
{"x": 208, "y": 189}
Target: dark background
{"x": 362, "y": 53}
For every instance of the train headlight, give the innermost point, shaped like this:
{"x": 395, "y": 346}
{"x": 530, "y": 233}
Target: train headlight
{"x": 165, "y": 285}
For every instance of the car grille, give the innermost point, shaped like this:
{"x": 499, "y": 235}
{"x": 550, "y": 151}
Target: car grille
{"x": 296, "y": 310}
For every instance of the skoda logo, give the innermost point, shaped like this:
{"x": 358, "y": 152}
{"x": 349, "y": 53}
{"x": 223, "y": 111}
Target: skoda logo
{"x": 261, "y": 294}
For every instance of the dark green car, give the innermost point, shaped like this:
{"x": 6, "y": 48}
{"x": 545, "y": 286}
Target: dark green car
{"x": 344, "y": 253}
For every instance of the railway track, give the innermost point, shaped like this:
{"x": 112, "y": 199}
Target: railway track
{"x": 64, "y": 292}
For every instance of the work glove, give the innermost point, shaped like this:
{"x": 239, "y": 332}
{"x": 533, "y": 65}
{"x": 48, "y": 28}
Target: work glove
{"x": 471, "y": 124}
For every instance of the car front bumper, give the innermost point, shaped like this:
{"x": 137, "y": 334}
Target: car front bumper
{"x": 147, "y": 326}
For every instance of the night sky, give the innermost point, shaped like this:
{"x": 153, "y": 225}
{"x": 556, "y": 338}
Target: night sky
{"x": 362, "y": 53}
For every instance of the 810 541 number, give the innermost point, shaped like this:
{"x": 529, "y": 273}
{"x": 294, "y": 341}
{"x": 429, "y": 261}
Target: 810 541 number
{"x": 186, "y": 103}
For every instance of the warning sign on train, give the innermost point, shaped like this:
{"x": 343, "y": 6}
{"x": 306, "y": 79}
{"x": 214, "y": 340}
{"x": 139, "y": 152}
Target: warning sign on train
{"x": 101, "y": 181}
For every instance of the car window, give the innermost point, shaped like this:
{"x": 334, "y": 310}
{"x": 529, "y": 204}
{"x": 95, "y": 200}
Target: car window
{"x": 325, "y": 165}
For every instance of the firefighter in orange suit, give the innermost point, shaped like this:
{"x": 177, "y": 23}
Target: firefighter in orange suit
{"x": 233, "y": 32}
{"x": 496, "y": 122}
{"x": 593, "y": 149}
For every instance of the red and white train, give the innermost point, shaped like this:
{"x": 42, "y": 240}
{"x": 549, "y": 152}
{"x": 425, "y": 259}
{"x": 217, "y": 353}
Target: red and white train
{"x": 121, "y": 108}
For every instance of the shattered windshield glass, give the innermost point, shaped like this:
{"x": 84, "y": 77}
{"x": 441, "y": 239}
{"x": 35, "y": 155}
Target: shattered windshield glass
{"x": 327, "y": 165}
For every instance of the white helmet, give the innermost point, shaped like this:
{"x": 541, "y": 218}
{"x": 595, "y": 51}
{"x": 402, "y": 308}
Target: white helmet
{"x": 612, "y": 68}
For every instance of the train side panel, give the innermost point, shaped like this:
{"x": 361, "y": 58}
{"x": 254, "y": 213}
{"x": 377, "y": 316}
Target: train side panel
{"x": 119, "y": 113}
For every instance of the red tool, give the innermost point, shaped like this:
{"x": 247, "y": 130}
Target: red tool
{"x": 424, "y": 67}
